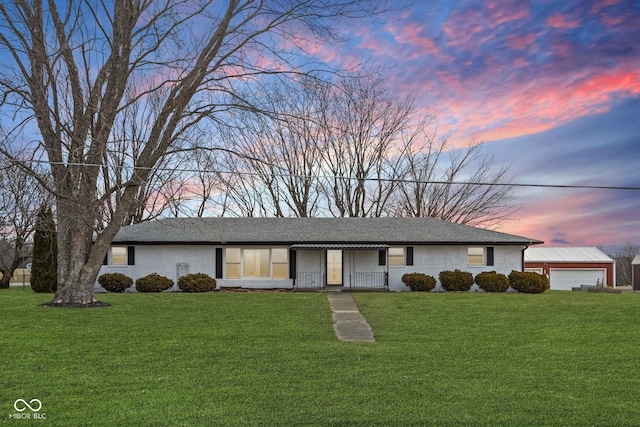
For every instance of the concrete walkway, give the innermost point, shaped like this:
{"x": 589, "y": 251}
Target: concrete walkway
{"x": 348, "y": 322}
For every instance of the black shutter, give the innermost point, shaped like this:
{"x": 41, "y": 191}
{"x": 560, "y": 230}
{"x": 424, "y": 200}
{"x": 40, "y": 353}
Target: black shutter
{"x": 409, "y": 254}
{"x": 131, "y": 255}
{"x": 382, "y": 257}
{"x": 292, "y": 264}
{"x": 218, "y": 263}
{"x": 105, "y": 261}
{"x": 489, "y": 255}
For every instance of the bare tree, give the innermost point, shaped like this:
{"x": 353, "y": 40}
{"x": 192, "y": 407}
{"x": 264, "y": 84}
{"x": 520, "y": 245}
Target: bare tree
{"x": 367, "y": 132}
{"x": 73, "y": 63}
{"x": 457, "y": 185}
{"x": 158, "y": 193}
{"x": 21, "y": 196}
{"x": 279, "y": 153}
{"x": 351, "y": 149}
{"x": 624, "y": 257}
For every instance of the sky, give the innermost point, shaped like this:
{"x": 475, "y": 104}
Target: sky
{"x": 552, "y": 88}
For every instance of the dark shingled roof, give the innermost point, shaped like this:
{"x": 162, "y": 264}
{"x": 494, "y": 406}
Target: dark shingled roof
{"x": 311, "y": 230}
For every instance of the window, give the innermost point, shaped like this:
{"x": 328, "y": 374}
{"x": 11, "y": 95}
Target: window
{"x": 396, "y": 256}
{"x": 279, "y": 267}
{"x": 232, "y": 263}
{"x": 253, "y": 263}
{"x": 480, "y": 256}
{"x": 256, "y": 263}
{"x": 475, "y": 256}
{"x": 120, "y": 256}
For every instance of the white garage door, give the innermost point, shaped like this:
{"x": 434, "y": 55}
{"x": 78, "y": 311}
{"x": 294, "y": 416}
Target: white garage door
{"x": 567, "y": 278}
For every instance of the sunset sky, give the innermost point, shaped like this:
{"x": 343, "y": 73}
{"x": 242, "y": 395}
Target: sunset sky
{"x": 553, "y": 87}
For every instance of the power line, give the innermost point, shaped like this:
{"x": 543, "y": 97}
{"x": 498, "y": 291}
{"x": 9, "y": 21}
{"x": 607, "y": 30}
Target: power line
{"x": 403, "y": 180}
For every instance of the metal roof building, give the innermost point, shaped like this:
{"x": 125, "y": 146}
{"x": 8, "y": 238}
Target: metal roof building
{"x": 569, "y": 267}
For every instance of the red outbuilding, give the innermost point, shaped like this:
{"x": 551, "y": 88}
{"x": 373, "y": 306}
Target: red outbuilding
{"x": 569, "y": 267}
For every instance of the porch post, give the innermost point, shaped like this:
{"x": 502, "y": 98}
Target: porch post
{"x": 386, "y": 269}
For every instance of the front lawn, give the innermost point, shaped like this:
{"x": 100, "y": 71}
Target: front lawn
{"x": 560, "y": 358}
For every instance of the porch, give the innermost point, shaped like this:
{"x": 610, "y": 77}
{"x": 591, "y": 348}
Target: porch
{"x": 341, "y": 266}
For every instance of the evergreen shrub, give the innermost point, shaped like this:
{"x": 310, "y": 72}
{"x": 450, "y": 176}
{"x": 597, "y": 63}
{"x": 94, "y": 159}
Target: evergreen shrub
{"x": 115, "y": 282}
{"x": 528, "y": 282}
{"x": 197, "y": 282}
{"x": 153, "y": 283}
{"x": 490, "y": 281}
{"x": 419, "y": 282}
{"x": 460, "y": 281}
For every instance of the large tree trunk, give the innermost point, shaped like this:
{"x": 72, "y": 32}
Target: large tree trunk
{"x": 4, "y": 282}
{"x": 81, "y": 248}
{"x": 77, "y": 266}
{"x": 13, "y": 265}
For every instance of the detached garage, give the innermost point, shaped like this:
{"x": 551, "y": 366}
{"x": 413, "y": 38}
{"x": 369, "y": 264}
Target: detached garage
{"x": 569, "y": 267}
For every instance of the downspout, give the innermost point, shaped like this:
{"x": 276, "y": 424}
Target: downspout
{"x": 525, "y": 248}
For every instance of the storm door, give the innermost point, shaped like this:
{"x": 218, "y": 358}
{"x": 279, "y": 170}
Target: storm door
{"x": 334, "y": 267}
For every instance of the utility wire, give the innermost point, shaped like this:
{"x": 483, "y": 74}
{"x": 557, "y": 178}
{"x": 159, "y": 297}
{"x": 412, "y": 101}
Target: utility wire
{"x": 403, "y": 180}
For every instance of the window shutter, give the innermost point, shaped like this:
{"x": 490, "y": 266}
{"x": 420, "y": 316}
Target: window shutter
{"x": 382, "y": 257}
{"x": 131, "y": 255}
{"x": 409, "y": 255}
{"x": 292, "y": 264}
{"x": 218, "y": 263}
{"x": 489, "y": 255}
{"x": 105, "y": 261}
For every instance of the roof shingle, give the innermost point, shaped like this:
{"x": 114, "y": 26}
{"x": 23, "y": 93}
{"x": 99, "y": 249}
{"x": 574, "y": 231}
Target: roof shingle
{"x": 312, "y": 230}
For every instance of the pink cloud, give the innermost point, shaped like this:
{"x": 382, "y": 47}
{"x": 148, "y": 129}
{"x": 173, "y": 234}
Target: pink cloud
{"x": 521, "y": 42}
{"x": 559, "y": 21}
{"x": 479, "y": 109}
{"x": 501, "y": 12}
{"x": 553, "y": 217}
{"x": 410, "y": 34}
{"x": 613, "y": 21}
{"x": 603, "y": 4}
{"x": 464, "y": 28}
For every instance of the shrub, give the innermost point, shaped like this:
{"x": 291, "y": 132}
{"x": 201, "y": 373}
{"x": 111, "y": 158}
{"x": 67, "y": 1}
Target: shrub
{"x": 153, "y": 283}
{"x": 528, "y": 282}
{"x": 456, "y": 280}
{"x": 197, "y": 282}
{"x": 115, "y": 282}
{"x": 419, "y": 282}
{"x": 490, "y": 281}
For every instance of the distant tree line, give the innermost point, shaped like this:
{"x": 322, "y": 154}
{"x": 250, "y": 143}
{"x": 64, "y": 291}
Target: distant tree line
{"x": 342, "y": 148}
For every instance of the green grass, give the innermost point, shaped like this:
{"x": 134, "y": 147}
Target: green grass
{"x": 560, "y": 358}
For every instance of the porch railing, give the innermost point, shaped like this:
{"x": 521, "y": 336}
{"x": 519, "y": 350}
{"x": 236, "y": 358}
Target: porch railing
{"x": 310, "y": 280}
{"x": 369, "y": 280}
{"x": 357, "y": 280}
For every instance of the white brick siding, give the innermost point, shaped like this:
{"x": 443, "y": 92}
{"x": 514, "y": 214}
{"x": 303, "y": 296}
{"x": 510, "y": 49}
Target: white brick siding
{"x": 429, "y": 259}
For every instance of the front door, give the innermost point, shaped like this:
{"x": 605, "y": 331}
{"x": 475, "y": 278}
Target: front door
{"x": 334, "y": 267}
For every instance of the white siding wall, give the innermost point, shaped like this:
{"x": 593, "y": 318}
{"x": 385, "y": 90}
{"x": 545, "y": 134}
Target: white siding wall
{"x": 163, "y": 259}
{"x": 432, "y": 260}
{"x": 310, "y": 261}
